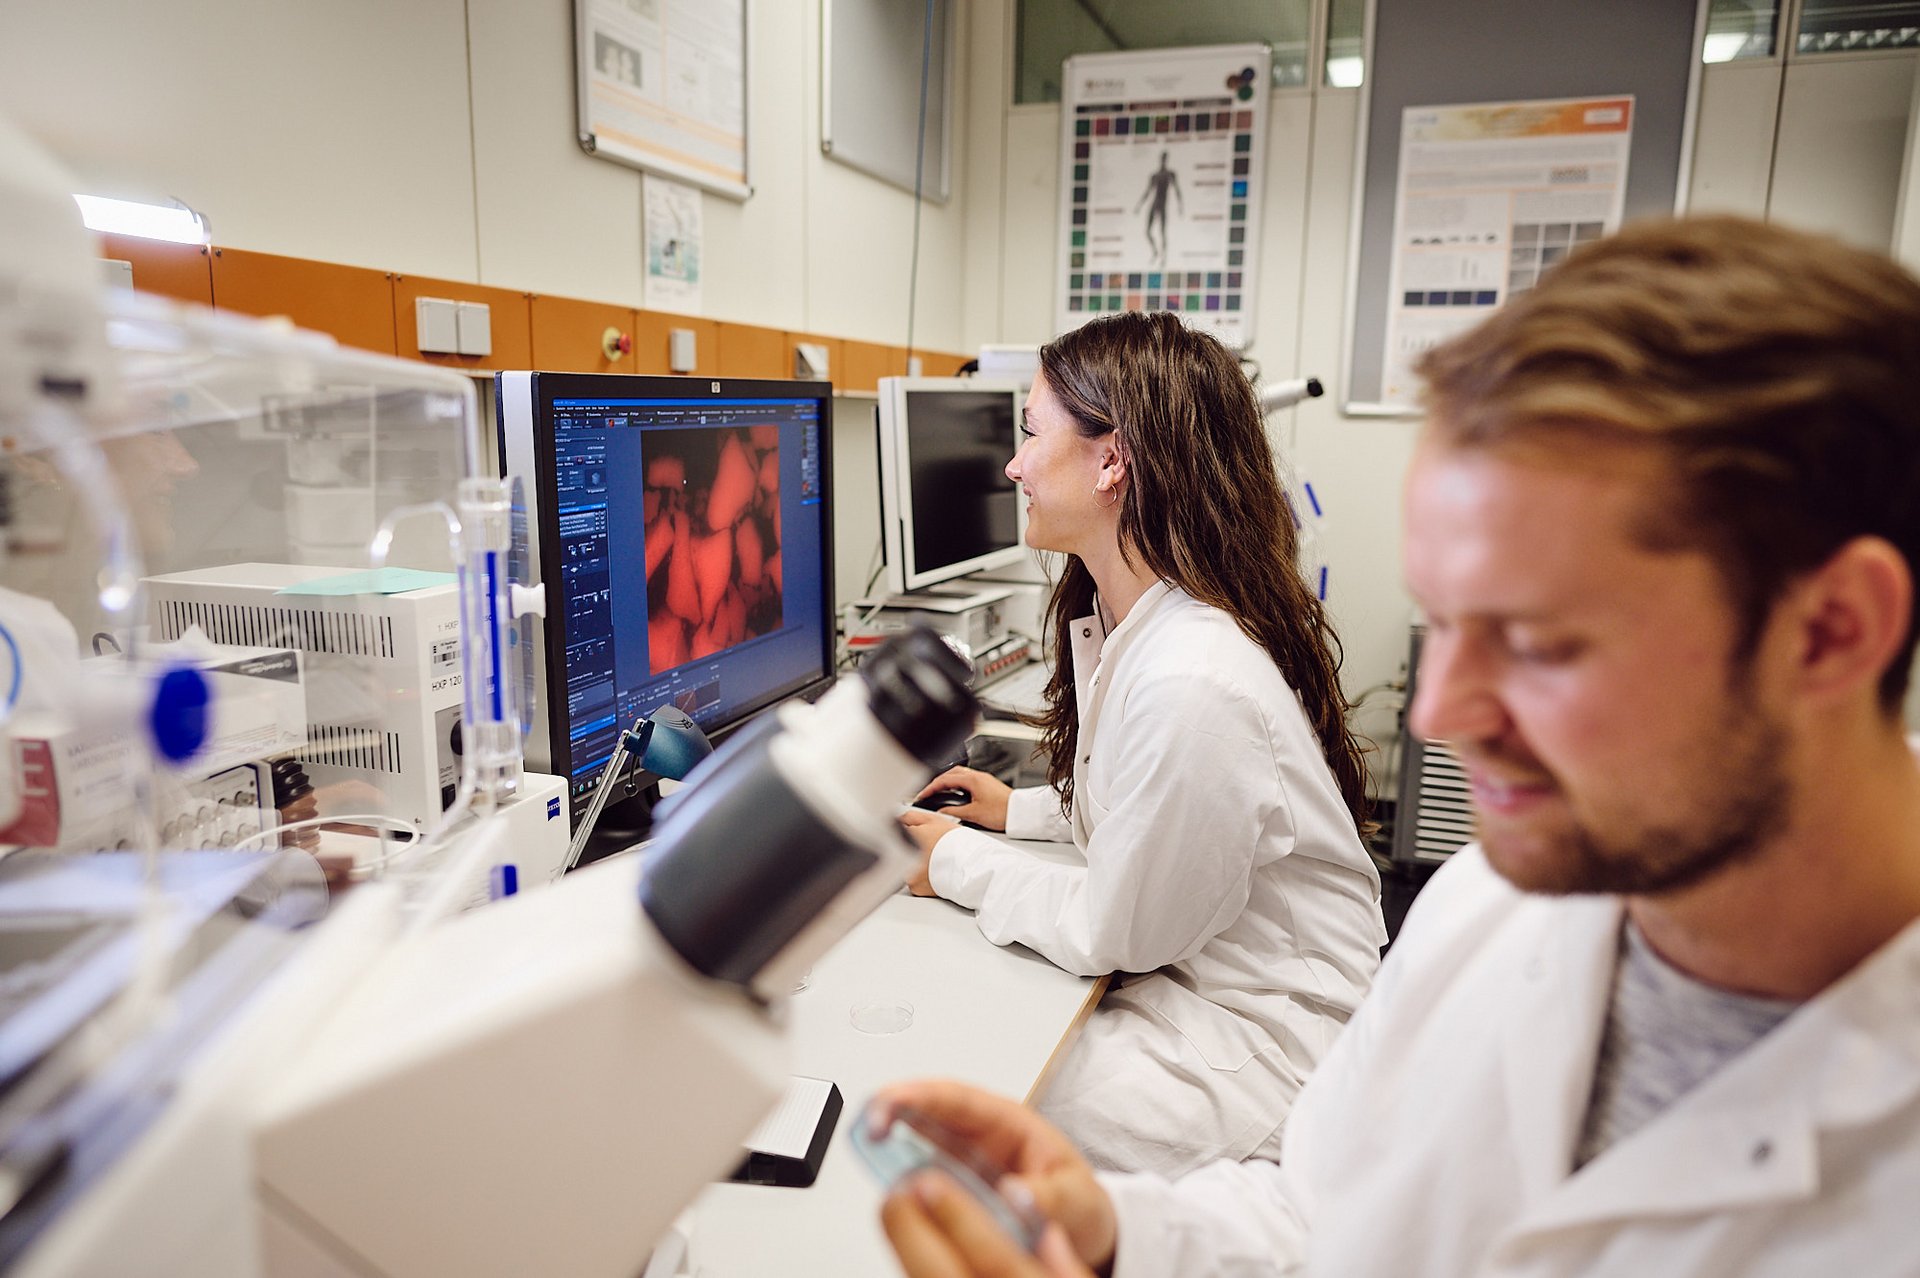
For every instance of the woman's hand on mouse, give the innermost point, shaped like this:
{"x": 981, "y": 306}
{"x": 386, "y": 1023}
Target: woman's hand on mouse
{"x": 988, "y": 807}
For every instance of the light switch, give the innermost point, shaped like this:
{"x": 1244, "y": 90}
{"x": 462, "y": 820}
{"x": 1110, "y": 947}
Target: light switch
{"x": 434, "y": 320}
{"x": 810, "y": 361}
{"x": 476, "y": 328}
{"x": 683, "y": 350}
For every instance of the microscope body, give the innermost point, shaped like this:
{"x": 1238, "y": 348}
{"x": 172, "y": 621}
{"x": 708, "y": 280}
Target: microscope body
{"x": 542, "y": 1084}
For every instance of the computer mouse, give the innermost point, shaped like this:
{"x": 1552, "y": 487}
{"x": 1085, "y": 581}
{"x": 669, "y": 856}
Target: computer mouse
{"x": 950, "y": 797}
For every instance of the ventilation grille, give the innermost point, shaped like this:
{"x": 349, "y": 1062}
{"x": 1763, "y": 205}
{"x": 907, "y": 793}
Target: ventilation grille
{"x": 365, "y": 749}
{"x": 347, "y": 634}
{"x": 1443, "y": 812}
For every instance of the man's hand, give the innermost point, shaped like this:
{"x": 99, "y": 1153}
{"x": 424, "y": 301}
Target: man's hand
{"x": 926, "y": 829}
{"x": 939, "y": 1232}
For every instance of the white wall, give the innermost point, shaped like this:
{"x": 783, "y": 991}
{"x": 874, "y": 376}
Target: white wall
{"x": 335, "y": 131}
{"x": 1818, "y": 144}
{"x": 436, "y": 137}
{"x": 1841, "y": 139}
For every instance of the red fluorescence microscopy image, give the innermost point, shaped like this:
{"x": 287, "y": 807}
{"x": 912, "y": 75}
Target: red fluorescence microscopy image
{"x": 712, "y": 540}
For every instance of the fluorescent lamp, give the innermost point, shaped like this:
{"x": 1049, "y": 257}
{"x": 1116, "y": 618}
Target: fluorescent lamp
{"x": 1723, "y": 46}
{"x": 174, "y": 222}
{"x": 1346, "y": 73}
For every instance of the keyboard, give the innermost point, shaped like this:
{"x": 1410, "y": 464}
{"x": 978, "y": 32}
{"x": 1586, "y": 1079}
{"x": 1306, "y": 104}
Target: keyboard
{"x": 1021, "y": 692}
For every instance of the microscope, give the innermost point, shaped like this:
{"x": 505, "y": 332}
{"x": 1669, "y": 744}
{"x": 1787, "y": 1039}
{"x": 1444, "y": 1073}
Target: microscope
{"x": 542, "y": 1085}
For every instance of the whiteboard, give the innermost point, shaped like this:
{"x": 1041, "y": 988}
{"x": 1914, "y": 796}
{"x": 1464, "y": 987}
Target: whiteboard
{"x": 661, "y": 85}
{"x": 872, "y": 52}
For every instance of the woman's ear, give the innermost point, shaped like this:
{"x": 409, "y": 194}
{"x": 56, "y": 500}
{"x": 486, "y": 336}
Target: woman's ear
{"x": 1113, "y": 468}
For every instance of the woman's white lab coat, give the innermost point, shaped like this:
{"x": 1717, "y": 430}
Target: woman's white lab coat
{"x": 1220, "y": 864}
{"x": 1438, "y": 1138}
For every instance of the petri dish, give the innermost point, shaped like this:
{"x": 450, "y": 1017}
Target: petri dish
{"x": 882, "y": 1016}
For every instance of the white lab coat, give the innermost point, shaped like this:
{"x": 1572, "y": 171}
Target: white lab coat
{"x": 1438, "y": 1136}
{"x": 1219, "y": 861}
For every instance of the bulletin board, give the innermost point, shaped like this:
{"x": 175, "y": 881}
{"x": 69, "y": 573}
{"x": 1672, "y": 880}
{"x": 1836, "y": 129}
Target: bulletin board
{"x": 1161, "y": 157}
{"x": 662, "y": 86}
{"x": 1423, "y": 57}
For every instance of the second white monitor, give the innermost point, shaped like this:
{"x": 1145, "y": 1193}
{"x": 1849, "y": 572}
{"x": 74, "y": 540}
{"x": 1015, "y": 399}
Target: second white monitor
{"x": 947, "y": 507}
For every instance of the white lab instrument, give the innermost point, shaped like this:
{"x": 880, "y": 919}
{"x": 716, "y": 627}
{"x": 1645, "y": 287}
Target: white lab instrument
{"x": 1275, "y": 396}
{"x": 1021, "y": 692}
{"x": 970, "y": 613}
{"x": 383, "y": 675}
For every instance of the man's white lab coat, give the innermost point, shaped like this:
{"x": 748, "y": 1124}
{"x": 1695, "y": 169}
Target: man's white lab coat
{"x": 1437, "y": 1137}
{"x": 1220, "y": 861}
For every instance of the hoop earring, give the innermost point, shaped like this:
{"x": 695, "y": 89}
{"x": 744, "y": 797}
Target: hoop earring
{"x": 1106, "y": 505}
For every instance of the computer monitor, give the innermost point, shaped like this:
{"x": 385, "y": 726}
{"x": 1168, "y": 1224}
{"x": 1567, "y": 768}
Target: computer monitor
{"x": 683, "y": 529}
{"x": 947, "y": 507}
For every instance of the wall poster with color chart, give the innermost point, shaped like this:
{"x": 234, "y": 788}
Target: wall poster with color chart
{"x": 1490, "y": 195}
{"x": 662, "y": 85}
{"x": 1161, "y": 157}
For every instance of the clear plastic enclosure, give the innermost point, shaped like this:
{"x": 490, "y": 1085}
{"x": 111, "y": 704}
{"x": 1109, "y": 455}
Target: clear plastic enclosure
{"x": 252, "y": 596}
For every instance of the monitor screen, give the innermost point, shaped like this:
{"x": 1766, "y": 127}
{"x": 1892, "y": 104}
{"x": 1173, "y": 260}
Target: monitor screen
{"x": 683, "y": 530}
{"x": 947, "y": 506}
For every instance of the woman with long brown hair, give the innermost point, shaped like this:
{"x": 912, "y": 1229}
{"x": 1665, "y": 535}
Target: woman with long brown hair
{"x": 1199, "y": 760}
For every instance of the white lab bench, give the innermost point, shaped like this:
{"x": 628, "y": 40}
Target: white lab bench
{"x": 985, "y": 1014}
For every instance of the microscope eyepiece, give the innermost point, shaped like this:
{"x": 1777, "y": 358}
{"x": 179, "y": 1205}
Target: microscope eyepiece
{"x": 917, "y": 689}
{"x": 794, "y": 817}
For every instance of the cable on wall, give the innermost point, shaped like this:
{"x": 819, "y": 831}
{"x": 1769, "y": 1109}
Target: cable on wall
{"x": 919, "y": 163}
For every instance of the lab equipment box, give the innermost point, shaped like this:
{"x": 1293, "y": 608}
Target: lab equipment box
{"x": 383, "y": 682}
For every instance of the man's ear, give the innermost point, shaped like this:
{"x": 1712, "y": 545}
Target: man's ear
{"x": 1852, "y": 614}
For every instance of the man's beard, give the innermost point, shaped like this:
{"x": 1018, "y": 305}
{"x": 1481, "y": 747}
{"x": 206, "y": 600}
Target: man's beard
{"x": 1741, "y": 799}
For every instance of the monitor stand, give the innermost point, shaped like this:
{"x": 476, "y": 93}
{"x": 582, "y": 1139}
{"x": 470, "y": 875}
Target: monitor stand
{"x": 958, "y": 596}
{"x": 623, "y": 823}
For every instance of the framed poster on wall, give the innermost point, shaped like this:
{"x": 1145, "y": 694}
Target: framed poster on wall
{"x": 1161, "y": 173}
{"x": 1523, "y": 54}
{"x": 1491, "y": 194}
{"x": 661, "y": 85}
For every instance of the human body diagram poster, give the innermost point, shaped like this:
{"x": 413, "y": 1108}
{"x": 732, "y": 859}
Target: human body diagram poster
{"x": 1161, "y": 156}
{"x": 662, "y": 85}
{"x": 1490, "y": 195}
